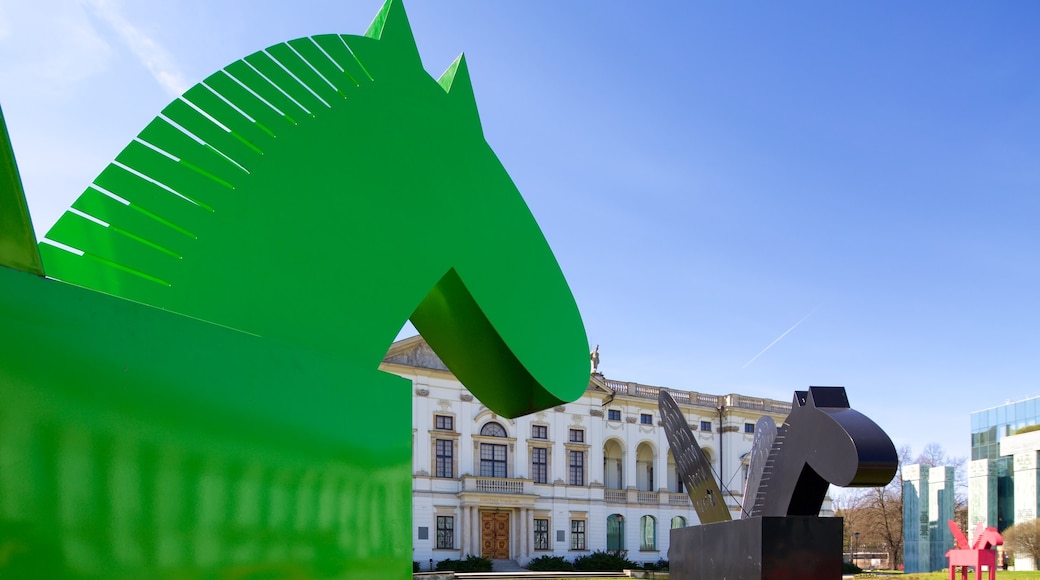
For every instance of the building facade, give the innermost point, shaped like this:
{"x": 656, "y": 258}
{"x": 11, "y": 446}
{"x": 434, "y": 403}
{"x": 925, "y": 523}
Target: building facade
{"x": 595, "y": 474}
{"x": 1004, "y": 470}
{"x": 991, "y": 472}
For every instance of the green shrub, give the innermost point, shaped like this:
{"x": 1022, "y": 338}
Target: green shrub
{"x": 550, "y": 564}
{"x": 604, "y": 562}
{"x": 470, "y": 564}
{"x": 850, "y": 568}
{"x": 661, "y": 564}
{"x": 416, "y": 567}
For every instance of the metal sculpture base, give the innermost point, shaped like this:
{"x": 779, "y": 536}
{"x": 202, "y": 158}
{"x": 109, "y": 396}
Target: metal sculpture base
{"x": 766, "y": 548}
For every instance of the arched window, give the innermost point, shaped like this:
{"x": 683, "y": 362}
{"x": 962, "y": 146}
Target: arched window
{"x": 648, "y": 533}
{"x": 493, "y": 430}
{"x": 645, "y": 467}
{"x": 675, "y": 482}
{"x": 492, "y": 455}
{"x": 613, "y": 460}
{"x": 615, "y": 533}
{"x": 678, "y": 522}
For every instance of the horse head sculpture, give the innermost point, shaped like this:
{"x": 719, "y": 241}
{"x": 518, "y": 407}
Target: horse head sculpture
{"x": 195, "y": 390}
{"x": 822, "y": 442}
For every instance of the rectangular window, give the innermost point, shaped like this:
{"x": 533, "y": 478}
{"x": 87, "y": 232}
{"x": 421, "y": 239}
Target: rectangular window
{"x": 577, "y": 468}
{"x": 577, "y": 436}
{"x": 705, "y": 425}
{"x": 645, "y": 419}
{"x": 749, "y": 427}
{"x": 445, "y": 466}
{"x": 613, "y": 414}
{"x": 492, "y": 460}
{"x": 540, "y": 465}
{"x": 444, "y": 422}
{"x": 541, "y": 534}
{"x": 539, "y": 432}
{"x": 578, "y": 534}
{"x": 445, "y": 532}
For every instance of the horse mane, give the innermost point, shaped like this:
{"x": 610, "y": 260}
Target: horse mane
{"x": 136, "y": 231}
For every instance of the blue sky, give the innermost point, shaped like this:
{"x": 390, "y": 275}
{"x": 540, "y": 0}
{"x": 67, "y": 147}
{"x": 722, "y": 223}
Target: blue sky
{"x": 709, "y": 175}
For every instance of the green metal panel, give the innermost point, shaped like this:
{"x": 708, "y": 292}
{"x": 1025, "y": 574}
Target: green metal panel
{"x": 17, "y": 240}
{"x": 195, "y": 392}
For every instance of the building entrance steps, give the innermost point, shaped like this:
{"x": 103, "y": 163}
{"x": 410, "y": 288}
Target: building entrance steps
{"x": 506, "y": 566}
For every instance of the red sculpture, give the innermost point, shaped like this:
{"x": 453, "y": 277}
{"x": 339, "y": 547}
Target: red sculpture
{"x": 979, "y": 553}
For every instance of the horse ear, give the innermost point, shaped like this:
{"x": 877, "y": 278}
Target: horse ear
{"x": 391, "y": 25}
{"x": 18, "y": 248}
{"x": 456, "y": 82}
{"x": 828, "y": 397}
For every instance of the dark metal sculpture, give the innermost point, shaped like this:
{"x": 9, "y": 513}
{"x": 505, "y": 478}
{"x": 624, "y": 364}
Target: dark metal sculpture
{"x": 693, "y": 466}
{"x": 765, "y": 434}
{"x": 821, "y": 442}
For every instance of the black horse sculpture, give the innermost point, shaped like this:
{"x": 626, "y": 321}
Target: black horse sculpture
{"x": 822, "y": 442}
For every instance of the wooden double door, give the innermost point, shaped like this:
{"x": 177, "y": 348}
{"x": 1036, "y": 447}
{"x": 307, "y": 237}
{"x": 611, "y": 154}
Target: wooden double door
{"x": 494, "y": 535}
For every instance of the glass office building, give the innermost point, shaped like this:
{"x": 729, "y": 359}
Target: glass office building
{"x": 988, "y": 427}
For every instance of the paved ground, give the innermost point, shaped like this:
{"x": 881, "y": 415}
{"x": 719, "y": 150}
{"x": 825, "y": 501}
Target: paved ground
{"x": 506, "y": 566}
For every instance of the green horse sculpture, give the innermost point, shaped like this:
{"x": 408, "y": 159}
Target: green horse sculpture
{"x": 193, "y": 390}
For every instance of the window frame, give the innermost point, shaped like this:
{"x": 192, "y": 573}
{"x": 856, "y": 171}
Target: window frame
{"x": 540, "y": 468}
{"x": 489, "y": 466}
{"x": 613, "y": 414}
{"x": 445, "y": 526}
{"x": 575, "y": 469}
{"x": 646, "y": 419}
{"x": 706, "y": 426}
{"x": 443, "y": 422}
{"x": 578, "y": 535}
{"x": 540, "y": 432}
{"x": 491, "y": 425}
{"x": 576, "y": 435}
{"x": 645, "y": 546}
{"x": 444, "y": 463}
{"x": 541, "y": 534}
{"x": 749, "y": 428}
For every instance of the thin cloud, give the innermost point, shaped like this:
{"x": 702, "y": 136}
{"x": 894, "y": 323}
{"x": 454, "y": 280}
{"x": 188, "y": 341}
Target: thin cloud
{"x": 47, "y": 47}
{"x": 146, "y": 49}
{"x": 779, "y": 338}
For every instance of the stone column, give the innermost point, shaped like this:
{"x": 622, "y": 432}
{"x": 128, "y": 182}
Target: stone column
{"x": 530, "y": 533}
{"x": 982, "y": 494}
{"x": 915, "y": 519}
{"x": 464, "y": 531}
{"x": 474, "y": 529}
{"x": 521, "y": 548}
{"x": 1026, "y": 471}
{"x": 940, "y": 512}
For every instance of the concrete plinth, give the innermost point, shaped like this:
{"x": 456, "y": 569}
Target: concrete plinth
{"x": 767, "y": 548}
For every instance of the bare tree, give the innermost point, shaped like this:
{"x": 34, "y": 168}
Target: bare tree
{"x": 1024, "y": 538}
{"x": 933, "y": 455}
{"x": 876, "y": 513}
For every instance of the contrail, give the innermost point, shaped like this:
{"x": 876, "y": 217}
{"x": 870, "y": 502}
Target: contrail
{"x": 159, "y": 62}
{"x": 786, "y": 332}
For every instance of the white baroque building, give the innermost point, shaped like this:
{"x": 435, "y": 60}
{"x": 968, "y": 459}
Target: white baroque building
{"x": 595, "y": 474}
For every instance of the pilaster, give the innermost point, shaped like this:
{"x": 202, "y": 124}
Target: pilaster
{"x": 916, "y": 554}
{"x": 982, "y": 494}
